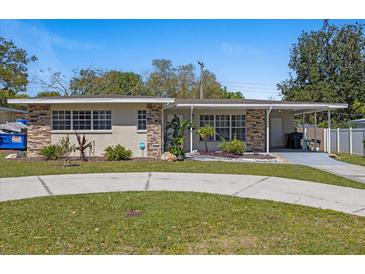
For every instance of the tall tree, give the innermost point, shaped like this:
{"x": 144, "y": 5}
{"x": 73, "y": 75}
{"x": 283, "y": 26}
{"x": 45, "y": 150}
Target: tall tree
{"x": 96, "y": 82}
{"x": 328, "y": 65}
{"x": 14, "y": 63}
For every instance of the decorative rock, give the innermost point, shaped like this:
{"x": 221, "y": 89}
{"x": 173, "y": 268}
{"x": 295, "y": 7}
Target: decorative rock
{"x": 11, "y": 156}
{"x": 39, "y": 129}
{"x": 168, "y": 156}
{"x": 154, "y": 132}
{"x": 255, "y": 124}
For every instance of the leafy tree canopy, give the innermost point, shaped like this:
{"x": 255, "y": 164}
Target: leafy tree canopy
{"x": 48, "y": 94}
{"x": 13, "y": 70}
{"x": 328, "y": 65}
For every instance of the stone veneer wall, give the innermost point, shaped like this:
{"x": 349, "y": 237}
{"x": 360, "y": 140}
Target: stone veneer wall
{"x": 154, "y": 137}
{"x": 39, "y": 129}
{"x": 255, "y": 129}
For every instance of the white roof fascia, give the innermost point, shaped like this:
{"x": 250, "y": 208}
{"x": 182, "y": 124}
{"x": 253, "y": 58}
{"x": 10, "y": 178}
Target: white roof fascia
{"x": 37, "y": 101}
{"x": 274, "y": 106}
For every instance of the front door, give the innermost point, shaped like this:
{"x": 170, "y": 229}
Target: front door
{"x": 276, "y": 129}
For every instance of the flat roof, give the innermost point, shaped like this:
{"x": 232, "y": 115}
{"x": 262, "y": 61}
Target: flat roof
{"x": 90, "y": 99}
{"x": 257, "y": 103}
{"x": 183, "y": 103}
{"x": 15, "y": 110}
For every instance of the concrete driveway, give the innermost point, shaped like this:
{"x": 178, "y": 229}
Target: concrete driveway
{"x": 344, "y": 199}
{"x": 322, "y": 161}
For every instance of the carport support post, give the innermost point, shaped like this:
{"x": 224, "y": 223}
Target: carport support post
{"x": 304, "y": 146}
{"x": 268, "y": 130}
{"x": 329, "y": 132}
{"x": 338, "y": 140}
{"x": 191, "y": 129}
{"x": 315, "y": 131}
{"x": 350, "y": 138}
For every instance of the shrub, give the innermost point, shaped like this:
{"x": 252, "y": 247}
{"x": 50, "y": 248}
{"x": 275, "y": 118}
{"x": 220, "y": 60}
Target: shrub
{"x": 117, "y": 153}
{"x": 235, "y": 146}
{"x": 50, "y": 152}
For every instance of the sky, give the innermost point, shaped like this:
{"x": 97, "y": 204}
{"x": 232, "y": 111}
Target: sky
{"x": 246, "y": 55}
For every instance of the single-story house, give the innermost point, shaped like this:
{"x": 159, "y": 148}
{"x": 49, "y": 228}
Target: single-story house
{"x": 10, "y": 114}
{"x": 129, "y": 120}
{"x": 360, "y": 123}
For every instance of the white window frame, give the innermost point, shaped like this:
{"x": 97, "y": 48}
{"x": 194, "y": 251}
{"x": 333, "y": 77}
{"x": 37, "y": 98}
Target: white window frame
{"x": 70, "y": 120}
{"x": 71, "y": 130}
{"x": 138, "y": 120}
{"x": 105, "y": 119}
{"x": 238, "y": 127}
{"x": 230, "y": 126}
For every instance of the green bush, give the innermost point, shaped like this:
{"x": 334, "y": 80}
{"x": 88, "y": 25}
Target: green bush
{"x": 117, "y": 153}
{"x": 235, "y": 146}
{"x": 50, "y": 152}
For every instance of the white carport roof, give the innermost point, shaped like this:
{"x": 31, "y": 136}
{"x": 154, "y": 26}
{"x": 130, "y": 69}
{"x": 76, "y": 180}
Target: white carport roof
{"x": 297, "y": 107}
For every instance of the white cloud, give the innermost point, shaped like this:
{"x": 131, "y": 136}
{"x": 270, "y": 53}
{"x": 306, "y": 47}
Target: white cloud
{"x": 39, "y": 41}
{"x": 232, "y": 49}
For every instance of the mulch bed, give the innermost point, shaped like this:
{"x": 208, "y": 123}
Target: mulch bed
{"x": 231, "y": 155}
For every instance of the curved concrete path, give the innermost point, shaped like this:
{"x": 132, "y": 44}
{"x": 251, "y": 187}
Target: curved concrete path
{"x": 348, "y": 200}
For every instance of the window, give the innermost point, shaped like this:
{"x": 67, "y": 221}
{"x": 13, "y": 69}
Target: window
{"x": 142, "y": 120}
{"x": 226, "y": 126}
{"x": 61, "y": 120}
{"x": 102, "y": 119}
{"x": 81, "y": 119}
{"x": 207, "y": 120}
{"x": 238, "y": 127}
{"x": 222, "y": 124}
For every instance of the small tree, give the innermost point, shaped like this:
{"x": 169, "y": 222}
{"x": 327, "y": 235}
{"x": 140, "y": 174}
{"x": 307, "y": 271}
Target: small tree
{"x": 65, "y": 150}
{"x": 205, "y": 133}
{"x": 83, "y": 145}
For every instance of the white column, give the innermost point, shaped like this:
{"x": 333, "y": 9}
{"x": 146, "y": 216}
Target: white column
{"x": 191, "y": 129}
{"x": 304, "y": 148}
{"x": 315, "y": 131}
{"x": 329, "y": 131}
{"x": 325, "y": 136}
{"x": 338, "y": 140}
{"x": 350, "y": 137}
{"x": 162, "y": 132}
{"x": 268, "y": 130}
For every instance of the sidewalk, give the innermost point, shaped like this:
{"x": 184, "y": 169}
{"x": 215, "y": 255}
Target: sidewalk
{"x": 344, "y": 199}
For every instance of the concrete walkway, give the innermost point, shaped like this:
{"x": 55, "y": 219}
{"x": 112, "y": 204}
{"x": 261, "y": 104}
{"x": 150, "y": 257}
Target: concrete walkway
{"x": 324, "y": 162}
{"x": 349, "y": 200}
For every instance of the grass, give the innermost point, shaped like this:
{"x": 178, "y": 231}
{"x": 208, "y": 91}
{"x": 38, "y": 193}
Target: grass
{"x": 174, "y": 223}
{"x": 14, "y": 168}
{"x": 352, "y": 159}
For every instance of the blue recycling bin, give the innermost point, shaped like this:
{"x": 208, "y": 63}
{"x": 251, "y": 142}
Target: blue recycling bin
{"x": 13, "y": 141}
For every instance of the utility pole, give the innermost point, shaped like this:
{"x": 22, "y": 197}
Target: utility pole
{"x": 201, "y": 78}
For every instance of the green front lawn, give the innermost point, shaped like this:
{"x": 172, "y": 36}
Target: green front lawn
{"x": 174, "y": 223}
{"x": 352, "y": 159}
{"x": 13, "y": 168}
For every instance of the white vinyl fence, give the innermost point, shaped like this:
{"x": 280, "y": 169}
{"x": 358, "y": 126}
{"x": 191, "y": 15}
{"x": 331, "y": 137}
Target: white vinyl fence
{"x": 346, "y": 140}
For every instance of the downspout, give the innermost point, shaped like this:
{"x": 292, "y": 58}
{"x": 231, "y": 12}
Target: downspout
{"x": 268, "y": 130}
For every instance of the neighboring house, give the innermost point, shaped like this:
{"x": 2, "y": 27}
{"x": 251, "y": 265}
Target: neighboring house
{"x": 111, "y": 120}
{"x": 10, "y": 114}
{"x": 360, "y": 123}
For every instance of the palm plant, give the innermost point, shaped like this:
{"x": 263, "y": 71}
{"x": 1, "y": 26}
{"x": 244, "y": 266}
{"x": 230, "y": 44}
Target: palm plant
{"x": 83, "y": 144}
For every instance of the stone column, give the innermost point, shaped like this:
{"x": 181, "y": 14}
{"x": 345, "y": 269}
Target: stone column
{"x": 154, "y": 130}
{"x": 255, "y": 129}
{"x": 39, "y": 129}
